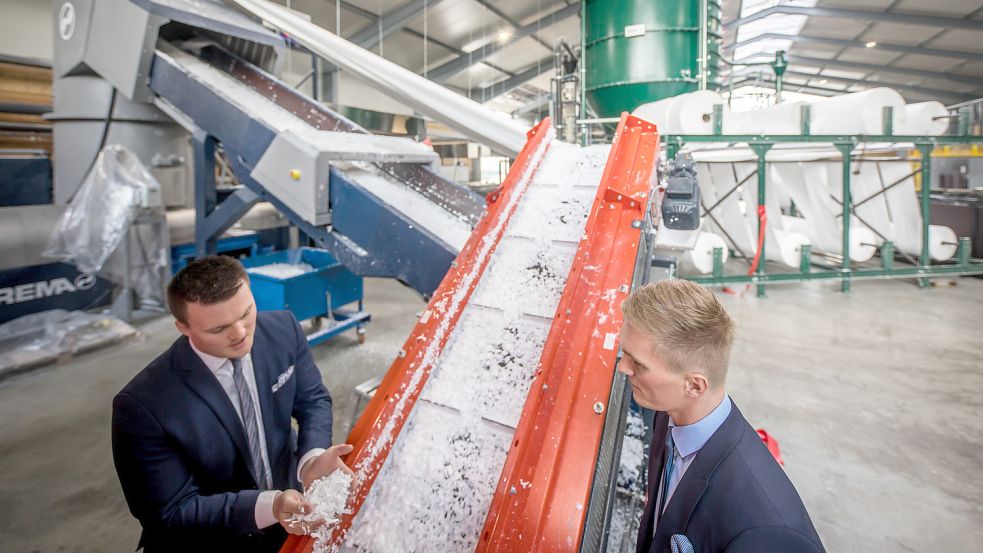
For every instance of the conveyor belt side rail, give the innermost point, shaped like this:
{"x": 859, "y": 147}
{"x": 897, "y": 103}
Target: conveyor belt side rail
{"x": 543, "y": 493}
{"x": 384, "y": 416}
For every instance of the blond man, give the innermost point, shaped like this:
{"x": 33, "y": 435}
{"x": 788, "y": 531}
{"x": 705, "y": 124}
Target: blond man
{"x": 713, "y": 486}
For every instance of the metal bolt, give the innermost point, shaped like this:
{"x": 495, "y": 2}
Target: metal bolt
{"x": 637, "y": 223}
{"x": 512, "y": 491}
{"x": 598, "y": 407}
{"x": 624, "y": 288}
{"x": 401, "y": 354}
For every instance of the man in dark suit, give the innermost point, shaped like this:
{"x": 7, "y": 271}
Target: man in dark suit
{"x": 713, "y": 486}
{"x": 202, "y": 437}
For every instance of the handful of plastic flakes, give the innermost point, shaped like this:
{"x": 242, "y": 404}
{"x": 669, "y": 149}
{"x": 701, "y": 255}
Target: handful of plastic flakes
{"x": 328, "y": 496}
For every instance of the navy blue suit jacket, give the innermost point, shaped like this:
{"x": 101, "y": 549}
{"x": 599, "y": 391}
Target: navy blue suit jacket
{"x": 734, "y": 497}
{"x": 181, "y": 452}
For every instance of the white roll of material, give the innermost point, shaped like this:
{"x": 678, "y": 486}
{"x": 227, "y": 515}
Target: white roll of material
{"x": 863, "y": 241}
{"x": 656, "y": 113}
{"x": 690, "y": 113}
{"x": 789, "y": 248}
{"x": 857, "y": 113}
{"x": 942, "y": 242}
{"x": 925, "y": 119}
{"x": 785, "y": 118}
{"x": 700, "y": 258}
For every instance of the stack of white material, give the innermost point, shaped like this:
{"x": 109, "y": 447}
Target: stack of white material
{"x": 435, "y": 487}
{"x": 812, "y": 186}
{"x": 856, "y": 113}
{"x": 893, "y": 215}
{"x": 736, "y": 215}
{"x": 807, "y": 174}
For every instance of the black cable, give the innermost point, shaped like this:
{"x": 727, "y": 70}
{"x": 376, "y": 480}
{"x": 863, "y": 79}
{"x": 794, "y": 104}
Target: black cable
{"x": 102, "y": 142}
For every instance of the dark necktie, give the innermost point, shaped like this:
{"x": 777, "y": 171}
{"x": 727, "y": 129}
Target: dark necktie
{"x": 248, "y": 410}
{"x": 667, "y": 471}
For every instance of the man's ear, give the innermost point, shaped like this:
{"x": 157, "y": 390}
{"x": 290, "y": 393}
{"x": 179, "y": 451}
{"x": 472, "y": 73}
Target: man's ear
{"x": 696, "y": 384}
{"x": 182, "y": 328}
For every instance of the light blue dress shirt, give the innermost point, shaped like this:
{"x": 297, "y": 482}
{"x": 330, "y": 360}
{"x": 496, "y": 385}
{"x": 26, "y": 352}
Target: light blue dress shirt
{"x": 689, "y": 440}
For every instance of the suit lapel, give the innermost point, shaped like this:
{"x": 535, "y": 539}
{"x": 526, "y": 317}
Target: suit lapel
{"x": 203, "y": 383}
{"x": 657, "y": 450}
{"x": 697, "y": 478}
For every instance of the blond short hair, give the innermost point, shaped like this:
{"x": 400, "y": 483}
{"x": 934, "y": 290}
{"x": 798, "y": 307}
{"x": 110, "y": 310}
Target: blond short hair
{"x": 690, "y": 328}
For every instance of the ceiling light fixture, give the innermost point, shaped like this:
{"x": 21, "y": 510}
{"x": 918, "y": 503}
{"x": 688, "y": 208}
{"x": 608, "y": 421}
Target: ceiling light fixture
{"x": 504, "y": 35}
{"x": 823, "y": 81}
{"x": 871, "y": 44}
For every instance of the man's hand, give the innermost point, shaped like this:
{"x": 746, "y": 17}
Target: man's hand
{"x": 325, "y": 463}
{"x": 286, "y": 505}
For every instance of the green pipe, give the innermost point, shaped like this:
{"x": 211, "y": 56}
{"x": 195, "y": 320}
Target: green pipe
{"x": 887, "y": 255}
{"x": 584, "y": 129}
{"x": 974, "y": 268}
{"x": 962, "y": 251}
{"x": 845, "y": 150}
{"x": 805, "y": 259}
{"x": 792, "y": 138}
{"x": 887, "y": 120}
{"x": 926, "y": 197}
{"x": 761, "y": 149}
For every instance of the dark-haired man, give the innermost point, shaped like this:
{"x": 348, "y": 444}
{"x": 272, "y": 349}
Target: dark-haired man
{"x": 202, "y": 437}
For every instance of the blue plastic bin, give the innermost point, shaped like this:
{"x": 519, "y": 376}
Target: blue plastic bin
{"x": 312, "y": 295}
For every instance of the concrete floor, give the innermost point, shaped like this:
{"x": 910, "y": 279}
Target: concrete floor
{"x": 874, "y": 396}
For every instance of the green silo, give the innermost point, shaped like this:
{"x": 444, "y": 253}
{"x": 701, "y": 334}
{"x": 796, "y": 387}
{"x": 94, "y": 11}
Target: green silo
{"x": 628, "y": 65}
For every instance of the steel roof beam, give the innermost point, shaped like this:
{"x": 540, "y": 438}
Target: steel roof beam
{"x": 513, "y": 23}
{"x": 902, "y": 48}
{"x": 878, "y": 16}
{"x": 819, "y": 62}
{"x": 521, "y": 78}
{"x": 451, "y": 68}
{"x": 931, "y": 92}
{"x": 370, "y": 36}
{"x": 375, "y": 21}
{"x": 532, "y": 106}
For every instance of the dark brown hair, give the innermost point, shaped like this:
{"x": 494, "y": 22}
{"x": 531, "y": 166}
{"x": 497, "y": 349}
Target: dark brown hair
{"x": 208, "y": 280}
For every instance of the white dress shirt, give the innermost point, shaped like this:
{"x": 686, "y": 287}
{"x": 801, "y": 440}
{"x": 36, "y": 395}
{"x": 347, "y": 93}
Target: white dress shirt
{"x": 221, "y": 367}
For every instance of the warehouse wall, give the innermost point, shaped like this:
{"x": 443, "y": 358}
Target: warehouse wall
{"x": 26, "y": 28}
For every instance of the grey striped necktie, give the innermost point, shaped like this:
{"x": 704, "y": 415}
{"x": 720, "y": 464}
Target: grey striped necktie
{"x": 248, "y": 410}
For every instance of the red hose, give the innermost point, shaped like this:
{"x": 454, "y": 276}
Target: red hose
{"x": 763, "y": 224}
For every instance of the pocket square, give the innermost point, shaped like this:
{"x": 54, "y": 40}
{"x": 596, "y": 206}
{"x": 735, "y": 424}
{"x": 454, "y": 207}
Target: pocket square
{"x": 680, "y": 544}
{"x": 283, "y": 378}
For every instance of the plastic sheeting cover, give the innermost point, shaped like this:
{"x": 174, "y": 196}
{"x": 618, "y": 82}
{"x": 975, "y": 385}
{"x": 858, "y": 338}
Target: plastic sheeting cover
{"x": 102, "y": 210}
{"x": 43, "y": 337}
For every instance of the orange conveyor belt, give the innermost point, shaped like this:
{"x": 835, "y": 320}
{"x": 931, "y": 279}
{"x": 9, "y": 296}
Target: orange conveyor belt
{"x": 541, "y": 498}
